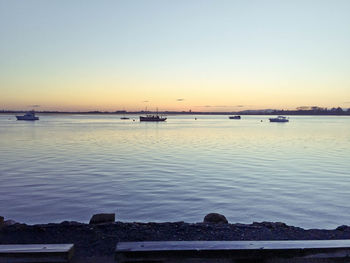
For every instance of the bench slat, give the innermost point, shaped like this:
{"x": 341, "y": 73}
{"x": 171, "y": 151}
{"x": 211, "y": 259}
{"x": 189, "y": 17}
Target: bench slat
{"x": 234, "y": 251}
{"x": 231, "y": 245}
{"x": 36, "y": 253}
{"x": 35, "y": 248}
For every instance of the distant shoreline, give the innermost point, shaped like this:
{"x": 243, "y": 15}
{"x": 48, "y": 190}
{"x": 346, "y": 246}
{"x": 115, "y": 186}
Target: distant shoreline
{"x": 247, "y": 113}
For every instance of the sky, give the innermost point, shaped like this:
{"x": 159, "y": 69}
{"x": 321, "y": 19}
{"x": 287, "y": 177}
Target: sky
{"x": 194, "y": 55}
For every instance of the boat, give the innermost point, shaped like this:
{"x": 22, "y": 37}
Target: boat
{"x": 29, "y": 116}
{"x": 152, "y": 118}
{"x": 124, "y": 118}
{"x": 279, "y": 119}
{"x": 237, "y": 117}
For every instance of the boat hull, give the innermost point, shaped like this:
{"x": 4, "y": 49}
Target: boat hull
{"x": 22, "y": 118}
{"x": 152, "y": 119}
{"x": 234, "y": 117}
{"x": 276, "y": 120}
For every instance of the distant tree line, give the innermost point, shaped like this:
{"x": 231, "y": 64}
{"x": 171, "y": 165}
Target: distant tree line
{"x": 315, "y": 110}
{"x": 303, "y": 110}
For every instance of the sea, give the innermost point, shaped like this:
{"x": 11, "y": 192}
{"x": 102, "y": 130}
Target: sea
{"x": 69, "y": 167}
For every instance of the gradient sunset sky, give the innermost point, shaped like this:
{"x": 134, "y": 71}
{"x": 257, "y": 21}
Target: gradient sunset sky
{"x": 175, "y": 55}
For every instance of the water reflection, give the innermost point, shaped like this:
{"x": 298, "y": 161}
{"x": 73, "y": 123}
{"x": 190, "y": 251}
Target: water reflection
{"x": 71, "y": 166}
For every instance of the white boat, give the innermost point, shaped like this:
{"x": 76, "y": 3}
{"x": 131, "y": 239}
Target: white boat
{"x": 279, "y": 119}
{"x": 29, "y": 116}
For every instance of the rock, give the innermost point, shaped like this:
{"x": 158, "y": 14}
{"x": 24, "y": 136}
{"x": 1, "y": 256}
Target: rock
{"x": 71, "y": 223}
{"x": 342, "y": 228}
{"x": 1, "y": 220}
{"x": 281, "y": 225}
{"x": 102, "y": 218}
{"x": 10, "y": 222}
{"x": 215, "y": 219}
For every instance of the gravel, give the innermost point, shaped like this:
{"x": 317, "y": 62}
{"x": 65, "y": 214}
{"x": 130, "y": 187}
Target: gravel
{"x": 100, "y": 240}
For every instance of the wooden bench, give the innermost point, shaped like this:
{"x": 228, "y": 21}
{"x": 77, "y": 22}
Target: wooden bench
{"x": 234, "y": 251}
{"x": 58, "y": 253}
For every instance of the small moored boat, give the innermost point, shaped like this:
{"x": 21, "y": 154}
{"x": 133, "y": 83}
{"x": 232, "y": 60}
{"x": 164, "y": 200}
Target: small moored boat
{"x": 279, "y": 119}
{"x": 237, "y": 117}
{"x": 29, "y": 116}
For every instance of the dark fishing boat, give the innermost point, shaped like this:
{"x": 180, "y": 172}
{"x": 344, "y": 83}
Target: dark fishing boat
{"x": 152, "y": 118}
{"x": 29, "y": 116}
{"x": 237, "y": 117}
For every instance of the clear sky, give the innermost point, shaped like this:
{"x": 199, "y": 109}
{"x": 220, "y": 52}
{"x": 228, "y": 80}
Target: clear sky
{"x": 175, "y": 55}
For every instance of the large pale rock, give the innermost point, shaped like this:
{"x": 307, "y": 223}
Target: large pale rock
{"x": 215, "y": 218}
{"x": 102, "y": 218}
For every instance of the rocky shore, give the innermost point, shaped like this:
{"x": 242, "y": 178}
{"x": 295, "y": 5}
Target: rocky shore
{"x": 98, "y": 239}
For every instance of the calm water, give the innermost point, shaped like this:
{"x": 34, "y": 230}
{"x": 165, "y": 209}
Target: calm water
{"x": 68, "y": 167}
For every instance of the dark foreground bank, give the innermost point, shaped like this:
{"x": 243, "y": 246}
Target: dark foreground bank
{"x": 99, "y": 240}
